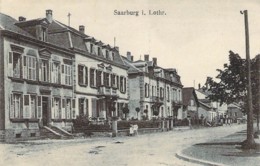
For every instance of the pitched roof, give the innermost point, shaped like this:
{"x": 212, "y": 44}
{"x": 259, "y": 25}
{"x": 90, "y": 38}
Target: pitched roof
{"x": 68, "y": 37}
{"x": 187, "y": 94}
{"x": 8, "y": 23}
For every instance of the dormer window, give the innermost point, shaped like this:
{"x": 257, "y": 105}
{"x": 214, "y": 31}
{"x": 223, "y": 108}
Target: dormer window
{"x": 44, "y": 34}
{"x": 99, "y": 51}
{"x": 107, "y": 54}
{"x": 113, "y": 56}
{"x": 91, "y": 48}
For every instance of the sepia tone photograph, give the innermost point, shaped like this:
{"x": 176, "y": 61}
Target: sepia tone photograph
{"x": 129, "y": 83}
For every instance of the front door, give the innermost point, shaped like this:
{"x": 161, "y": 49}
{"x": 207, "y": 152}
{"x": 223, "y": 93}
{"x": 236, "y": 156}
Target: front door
{"x": 45, "y": 115}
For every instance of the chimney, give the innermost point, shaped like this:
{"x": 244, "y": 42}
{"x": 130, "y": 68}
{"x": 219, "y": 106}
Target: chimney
{"x": 132, "y": 58}
{"x": 155, "y": 61}
{"x": 128, "y": 55}
{"x": 82, "y": 29}
{"x": 146, "y": 57}
{"x": 199, "y": 86}
{"x": 21, "y": 18}
{"x": 49, "y": 15}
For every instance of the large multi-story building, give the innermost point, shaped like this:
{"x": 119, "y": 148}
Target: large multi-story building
{"x": 100, "y": 74}
{"x": 36, "y": 79}
{"x": 152, "y": 89}
{"x": 51, "y": 73}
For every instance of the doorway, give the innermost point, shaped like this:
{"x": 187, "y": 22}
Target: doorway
{"x": 45, "y": 113}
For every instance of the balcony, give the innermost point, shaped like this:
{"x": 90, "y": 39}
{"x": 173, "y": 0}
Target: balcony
{"x": 157, "y": 99}
{"x": 107, "y": 91}
{"x": 176, "y": 103}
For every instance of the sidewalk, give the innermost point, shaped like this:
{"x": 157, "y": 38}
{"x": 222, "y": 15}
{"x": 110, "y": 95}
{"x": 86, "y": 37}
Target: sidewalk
{"x": 224, "y": 151}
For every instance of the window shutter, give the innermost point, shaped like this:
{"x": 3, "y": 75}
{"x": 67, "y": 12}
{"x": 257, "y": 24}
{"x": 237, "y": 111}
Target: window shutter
{"x": 39, "y": 107}
{"x": 50, "y": 72}
{"x": 124, "y": 84}
{"x": 94, "y": 107}
{"x": 68, "y": 108}
{"x": 39, "y": 67}
{"x": 26, "y": 106}
{"x": 86, "y": 75}
{"x": 63, "y": 113}
{"x": 73, "y": 108}
{"x": 10, "y": 64}
{"x": 11, "y": 107}
{"x": 52, "y": 108}
{"x": 25, "y": 67}
{"x": 63, "y": 74}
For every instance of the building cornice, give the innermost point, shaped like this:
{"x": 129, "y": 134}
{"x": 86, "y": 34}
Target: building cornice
{"x": 20, "y": 37}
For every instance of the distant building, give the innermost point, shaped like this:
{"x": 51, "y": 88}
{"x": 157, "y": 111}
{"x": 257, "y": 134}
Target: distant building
{"x": 234, "y": 112}
{"x": 190, "y": 103}
{"x": 153, "y": 89}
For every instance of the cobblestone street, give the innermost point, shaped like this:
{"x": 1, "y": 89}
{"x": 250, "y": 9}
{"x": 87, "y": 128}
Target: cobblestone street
{"x": 148, "y": 149}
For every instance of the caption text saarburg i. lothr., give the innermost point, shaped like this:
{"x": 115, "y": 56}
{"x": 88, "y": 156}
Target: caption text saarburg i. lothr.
{"x": 139, "y": 13}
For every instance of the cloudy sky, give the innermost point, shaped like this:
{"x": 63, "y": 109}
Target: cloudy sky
{"x": 194, "y": 36}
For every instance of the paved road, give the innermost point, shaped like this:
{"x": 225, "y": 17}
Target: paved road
{"x": 150, "y": 149}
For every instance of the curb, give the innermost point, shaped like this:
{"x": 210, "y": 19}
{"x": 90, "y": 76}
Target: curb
{"x": 181, "y": 156}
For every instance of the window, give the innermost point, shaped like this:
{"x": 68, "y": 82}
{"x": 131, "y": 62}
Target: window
{"x": 15, "y": 106}
{"x": 92, "y": 77}
{"x": 44, "y": 70}
{"x": 147, "y": 89}
{"x": 67, "y": 74}
{"x": 68, "y": 109}
{"x": 107, "y": 54}
{"x": 122, "y": 85}
{"x": 174, "y": 91}
{"x": 83, "y": 106}
{"x": 55, "y": 73}
{"x": 99, "y": 51}
{"x": 113, "y": 56}
{"x": 25, "y": 106}
{"x": 153, "y": 91}
{"x": 17, "y": 72}
{"x": 31, "y": 67}
{"x": 56, "y": 108}
{"x": 91, "y": 48}
{"x": 43, "y": 34}
{"x": 81, "y": 74}
{"x": 168, "y": 93}
{"x": 106, "y": 79}
{"x": 113, "y": 80}
{"x": 98, "y": 78}
{"x": 161, "y": 92}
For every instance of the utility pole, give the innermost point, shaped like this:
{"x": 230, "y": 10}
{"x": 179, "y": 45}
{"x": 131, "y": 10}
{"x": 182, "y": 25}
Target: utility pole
{"x": 249, "y": 143}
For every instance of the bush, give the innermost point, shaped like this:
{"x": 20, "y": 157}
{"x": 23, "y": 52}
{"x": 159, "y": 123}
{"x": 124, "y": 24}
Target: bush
{"x": 141, "y": 124}
{"x": 81, "y": 120}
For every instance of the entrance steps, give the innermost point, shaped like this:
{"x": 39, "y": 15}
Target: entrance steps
{"x": 54, "y": 132}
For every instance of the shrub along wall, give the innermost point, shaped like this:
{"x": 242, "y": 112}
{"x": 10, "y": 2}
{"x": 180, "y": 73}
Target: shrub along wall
{"x": 141, "y": 124}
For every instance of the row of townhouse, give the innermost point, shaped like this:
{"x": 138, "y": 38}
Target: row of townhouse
{"x": 154, "y": 90}
{"x": 196, "y": 105}
{"x": 52, "y": 73}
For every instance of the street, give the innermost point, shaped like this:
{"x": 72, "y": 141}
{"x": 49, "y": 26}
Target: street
{"x": 148, "y": 149}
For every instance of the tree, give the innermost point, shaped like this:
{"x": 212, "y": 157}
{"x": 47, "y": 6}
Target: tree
{"x": 232, "y": 83}
{"x": 125, "y": 111}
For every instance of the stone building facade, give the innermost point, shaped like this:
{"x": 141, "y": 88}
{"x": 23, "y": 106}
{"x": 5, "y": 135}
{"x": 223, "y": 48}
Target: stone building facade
{"x": 36, "y": 79}
{"x": 156, "y": 91}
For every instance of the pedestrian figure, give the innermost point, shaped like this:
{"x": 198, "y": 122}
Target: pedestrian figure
{"x": 131, "y": 130}
{"x": 135, "y": 127}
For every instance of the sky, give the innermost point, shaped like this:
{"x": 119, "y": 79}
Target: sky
{"x": 192, "y": 36}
